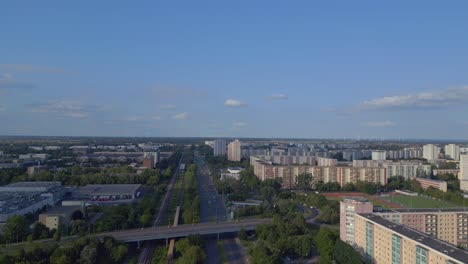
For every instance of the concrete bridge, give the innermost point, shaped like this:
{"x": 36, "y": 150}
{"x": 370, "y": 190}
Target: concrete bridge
{"x": 154, "y": 233}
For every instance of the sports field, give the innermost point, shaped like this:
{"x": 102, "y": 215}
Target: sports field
{"x": 417, "y": 201}
{"x": 376, "y": 200}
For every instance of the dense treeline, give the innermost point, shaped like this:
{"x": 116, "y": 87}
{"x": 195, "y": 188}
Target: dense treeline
{"x": 133, "y": 215}
{"x": 87, "y": 250}
{"x": 305, "y": 181}
{"x": 191, "y": 204}
{"x": 79, "y": 176}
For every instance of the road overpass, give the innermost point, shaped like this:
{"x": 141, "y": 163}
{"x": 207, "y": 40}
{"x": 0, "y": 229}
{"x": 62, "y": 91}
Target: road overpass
{"x": 154, "y": 233}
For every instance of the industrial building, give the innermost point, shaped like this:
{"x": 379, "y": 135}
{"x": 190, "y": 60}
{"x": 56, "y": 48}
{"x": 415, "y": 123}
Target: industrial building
{"x": 60, "y": 215}
{"x": 28, "y": 197}
{"x": 107, "y": 192}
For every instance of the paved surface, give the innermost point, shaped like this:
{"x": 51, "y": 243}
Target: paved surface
{"x": 234, "y": 253}
{"x": 212, "y": 209}
{"x": 153, "y": 233}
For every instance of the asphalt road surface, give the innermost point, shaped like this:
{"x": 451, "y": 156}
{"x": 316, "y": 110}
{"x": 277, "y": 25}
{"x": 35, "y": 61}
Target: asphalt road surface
{"x": 212, "y": 209}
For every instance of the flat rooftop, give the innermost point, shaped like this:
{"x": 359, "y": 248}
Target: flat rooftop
{"x": 109, "y": 189}
{"x": 35, "y": 184}
{"x": 13, "y": 201}
{"x": 425, "y": 210}
{"x": 355, "y": 199}
{"x": 63, "y": 209}
{"x": 423, "y": 239}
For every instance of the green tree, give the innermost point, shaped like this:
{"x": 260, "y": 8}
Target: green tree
{"x": 325, "y": 242}
{"x": 345, "y": 254}
{"x": 119, "y": 252}
{"x": 304, "y": 181}
{"x": 58, "y": 234}
{"x": 146, "y": 219}
{"x": 39, "y": 231}
{"x": 88, "y": 255}
{"x": 15, "y": 229}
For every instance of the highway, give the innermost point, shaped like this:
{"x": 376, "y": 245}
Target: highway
{"x": 153, "y": 233}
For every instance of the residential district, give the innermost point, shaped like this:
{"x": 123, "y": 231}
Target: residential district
{"x": 197, "y": 200}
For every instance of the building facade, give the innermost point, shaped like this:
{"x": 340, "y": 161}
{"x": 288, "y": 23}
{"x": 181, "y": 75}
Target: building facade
{"x": 463, "y": 175}
{"x": 383, "y": 241}
{"x": 350, "y": 206}
{"x": 379, "y": 155}
{"x": 341, "y": 174}
{"x": 426, "y": 183}
{"x": 431, "y": 152}
{"x": 234, "y": 151}
{"x": 219, "y": 147}
{"x": 452, "y": 151}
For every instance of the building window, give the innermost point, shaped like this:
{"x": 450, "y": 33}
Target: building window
{"x": 421, "y": 255}
{"x": 396, "y": 249}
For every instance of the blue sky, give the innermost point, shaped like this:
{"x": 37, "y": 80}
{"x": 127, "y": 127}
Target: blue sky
{"x": 235, "y": 68}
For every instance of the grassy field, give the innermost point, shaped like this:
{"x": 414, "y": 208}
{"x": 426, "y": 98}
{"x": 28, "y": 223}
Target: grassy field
{"x": 376, "y": 201}
{"x": 417, "y": 202}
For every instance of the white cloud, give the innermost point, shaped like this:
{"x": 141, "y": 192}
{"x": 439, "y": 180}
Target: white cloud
{"x": 65, "y": 108}
{"x": 138, "y": 118}
{"x": 32, "y": 68}
{"x": 381, "y": 123}
{"x": 6, "y": 77}
{"x": 168, "y": 107}
{"x": 238, "y": 124}
{"x": 234, "y": 103}
{"x": 181, "y": 116}
{"x": 418, "y": 100}
{"x": 7, "y": 82}
{"x": 278, "y": 97}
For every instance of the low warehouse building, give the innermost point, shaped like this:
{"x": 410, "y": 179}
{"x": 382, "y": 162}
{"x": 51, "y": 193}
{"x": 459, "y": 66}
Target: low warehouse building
{"x": 107, "y": 192}
{"x": 60, "y": 215}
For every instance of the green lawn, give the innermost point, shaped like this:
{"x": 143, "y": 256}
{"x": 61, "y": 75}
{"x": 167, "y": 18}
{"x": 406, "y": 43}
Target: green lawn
{"x": 418, "y": 202}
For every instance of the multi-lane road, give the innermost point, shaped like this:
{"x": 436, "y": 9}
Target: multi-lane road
{"x": 213, "y": 209}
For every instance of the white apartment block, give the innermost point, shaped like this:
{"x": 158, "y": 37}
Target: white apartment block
{"x": 234, "y": 151}
{"x": 430, "y": 152}
{"x": 452, "y": 151}
{"x": 463, "y": 175}
{"x": 379, "y": 155}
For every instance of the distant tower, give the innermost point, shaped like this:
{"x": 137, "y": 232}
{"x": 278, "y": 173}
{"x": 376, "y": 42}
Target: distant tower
{"x": 234, "y": 150}
{"x": 219, "y": 147}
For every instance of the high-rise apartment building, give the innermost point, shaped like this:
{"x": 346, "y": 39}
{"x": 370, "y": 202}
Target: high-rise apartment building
{"x": 383, "y": 241}
{"x": 463, "y": 175}
{"x": 430, "y": 152}
{"x": 379, "y": 155}
{"x": 234, "y": 151}
{"x": 350, "y": 206}
{"x": 452, "y": 151}
{"x": 219, "y": 147}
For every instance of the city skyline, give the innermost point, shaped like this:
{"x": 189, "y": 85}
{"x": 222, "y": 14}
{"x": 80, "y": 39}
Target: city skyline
{"x": 266, "y": 70}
